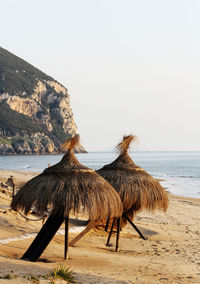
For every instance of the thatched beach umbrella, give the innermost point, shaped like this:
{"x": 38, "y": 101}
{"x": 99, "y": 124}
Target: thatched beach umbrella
{"x": 138, "y": 189}
{"x": 64, "y": 187}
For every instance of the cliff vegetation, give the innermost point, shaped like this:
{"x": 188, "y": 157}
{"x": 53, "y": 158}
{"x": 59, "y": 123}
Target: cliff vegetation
{"x": 35, "y": 112}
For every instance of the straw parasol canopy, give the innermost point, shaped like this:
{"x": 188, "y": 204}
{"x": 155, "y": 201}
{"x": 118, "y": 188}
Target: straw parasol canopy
{"x": 138, "y": 189}
{"x": 69, "y": 186}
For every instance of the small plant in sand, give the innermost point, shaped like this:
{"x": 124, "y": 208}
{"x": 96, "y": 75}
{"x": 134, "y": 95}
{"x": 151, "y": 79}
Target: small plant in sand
{"x": 7, "y": 276}
{"x": 32, "y": 279}
{"x": 62, "y": 272}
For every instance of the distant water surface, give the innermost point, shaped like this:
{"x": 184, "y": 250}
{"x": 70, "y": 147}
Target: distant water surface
{"x": 179, "y": 170}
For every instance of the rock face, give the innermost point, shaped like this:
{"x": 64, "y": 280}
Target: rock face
{"x": 35, "y": 112}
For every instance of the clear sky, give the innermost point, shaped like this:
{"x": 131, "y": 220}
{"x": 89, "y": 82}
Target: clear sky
{"x": 131, "y": 66}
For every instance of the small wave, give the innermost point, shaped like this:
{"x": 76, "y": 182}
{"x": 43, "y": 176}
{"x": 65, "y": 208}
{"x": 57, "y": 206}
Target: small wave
{"x": 187, "y": 176}
{"x": 24, "y": 167}
{"x": 179, "y": 176}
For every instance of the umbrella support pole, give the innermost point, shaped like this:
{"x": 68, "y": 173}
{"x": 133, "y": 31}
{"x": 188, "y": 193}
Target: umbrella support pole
{"x": 118, "y": 234}
{"x": 110, "y": 234}
{"x": 43, "y": 238}
{"x": 135, "y": 227}
{"x": 107, "y": 223}
{"x": 66, "y": 237}
{"x": 89, "y": 226}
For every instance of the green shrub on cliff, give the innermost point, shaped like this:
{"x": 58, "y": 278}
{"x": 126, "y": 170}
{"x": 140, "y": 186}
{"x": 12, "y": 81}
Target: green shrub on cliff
{"x": 5, "y": 141}
{"x": 18, "y": 76}
{"x": 13, "y": 122}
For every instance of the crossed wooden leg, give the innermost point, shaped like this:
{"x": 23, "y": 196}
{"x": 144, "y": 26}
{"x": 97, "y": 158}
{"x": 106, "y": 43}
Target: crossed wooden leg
{"x": 91, "y": 224}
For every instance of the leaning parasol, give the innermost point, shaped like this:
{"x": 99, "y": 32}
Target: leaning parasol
{"x": 138, "y": 190}
{"x": 65, "y": 187}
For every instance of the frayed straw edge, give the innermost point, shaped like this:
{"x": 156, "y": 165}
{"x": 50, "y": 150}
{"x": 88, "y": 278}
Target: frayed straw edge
{"x": 69, "y": 144}
{"x": 123, "y": 146}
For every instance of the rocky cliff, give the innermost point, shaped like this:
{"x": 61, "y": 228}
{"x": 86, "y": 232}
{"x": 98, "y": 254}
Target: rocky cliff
{"x": 35, "y": 112}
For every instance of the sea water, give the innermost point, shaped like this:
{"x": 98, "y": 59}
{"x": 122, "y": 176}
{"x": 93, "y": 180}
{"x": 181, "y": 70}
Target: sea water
{"x": 179, "y": 172}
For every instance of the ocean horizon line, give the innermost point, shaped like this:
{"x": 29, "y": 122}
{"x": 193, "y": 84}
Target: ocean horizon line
{"x": 107, "y": 151}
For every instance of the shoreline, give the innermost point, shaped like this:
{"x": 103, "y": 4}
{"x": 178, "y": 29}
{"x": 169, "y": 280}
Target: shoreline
{"x": 22, "y": 177}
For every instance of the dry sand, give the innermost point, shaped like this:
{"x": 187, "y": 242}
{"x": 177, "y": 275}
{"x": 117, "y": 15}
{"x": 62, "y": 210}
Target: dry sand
{"x": 170, "y": 255}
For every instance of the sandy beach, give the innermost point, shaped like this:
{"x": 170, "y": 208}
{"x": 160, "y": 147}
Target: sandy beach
{"x": 170, "y": 255}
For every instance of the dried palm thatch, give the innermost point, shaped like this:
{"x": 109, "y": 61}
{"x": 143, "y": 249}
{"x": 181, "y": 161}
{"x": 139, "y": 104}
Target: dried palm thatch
{"x": 138, "y": 190}
{"x": 69, "y": 186}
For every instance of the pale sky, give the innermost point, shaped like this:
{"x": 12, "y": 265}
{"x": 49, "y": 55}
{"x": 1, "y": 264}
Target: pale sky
{"x": 130, "y": 66}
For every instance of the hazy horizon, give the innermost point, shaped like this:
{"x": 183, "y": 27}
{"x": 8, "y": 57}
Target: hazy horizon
{"x": 129, "y": 67}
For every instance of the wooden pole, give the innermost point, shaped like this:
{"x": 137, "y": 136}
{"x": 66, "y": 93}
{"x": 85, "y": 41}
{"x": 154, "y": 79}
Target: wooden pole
{"x": 13, "y": 191}
{"x": 43, "y": 238}
{"x": 66, "y": 237}
{"x": 135, "y": 227}
{"x": 110, "y": 234}
{"x": 89, "y": 226}
{"x": 118, "y": 233}
{"x": 107, "y": 223}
